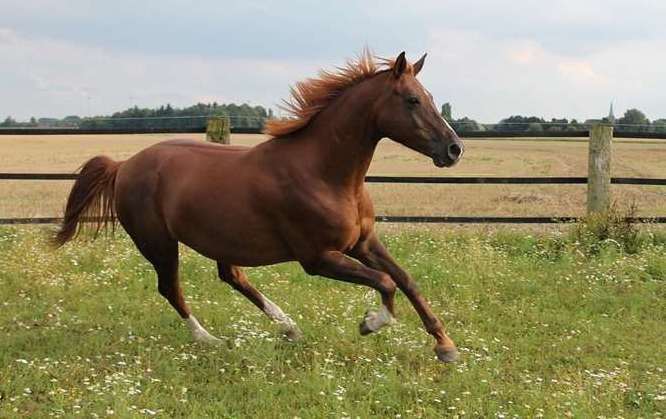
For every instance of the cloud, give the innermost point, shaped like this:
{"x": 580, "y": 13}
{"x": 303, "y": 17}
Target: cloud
{"x": 490, "y": 59}
{"x": 581, "y": 72}
{"x": 56, "y": 78}
{"x": 488, "y": 78}
{"x": 7, "y": 36}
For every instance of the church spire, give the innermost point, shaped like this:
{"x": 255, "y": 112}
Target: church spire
{"x": 611, "y": 115}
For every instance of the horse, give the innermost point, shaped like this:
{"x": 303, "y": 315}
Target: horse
{"x": 298, "y": 196}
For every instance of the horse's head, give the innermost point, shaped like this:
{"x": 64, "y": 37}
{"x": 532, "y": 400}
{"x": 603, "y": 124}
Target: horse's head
{"x": 406, "y": 113}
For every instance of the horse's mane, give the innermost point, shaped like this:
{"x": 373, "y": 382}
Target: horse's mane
{"x": 310, "y": 96}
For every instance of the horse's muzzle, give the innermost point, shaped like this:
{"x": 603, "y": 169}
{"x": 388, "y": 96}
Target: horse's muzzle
{"x": 448, "y": 157}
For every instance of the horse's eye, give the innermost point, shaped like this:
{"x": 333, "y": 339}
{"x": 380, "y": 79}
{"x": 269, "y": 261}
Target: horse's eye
{"x": 413, "y": 100}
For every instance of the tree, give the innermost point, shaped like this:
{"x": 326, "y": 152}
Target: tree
{"x": 633, "y": 117}
{"x": 659, "y": 125}
{"x": 240, "y": 115}
{"x": 446, "y": 112}
{"x": 574, "y": 125}
{"x": 518, "y": 123}
{"x": 8, "y": 122}
{"x": 534, "y": 127}
{"x": 466, "y": 124}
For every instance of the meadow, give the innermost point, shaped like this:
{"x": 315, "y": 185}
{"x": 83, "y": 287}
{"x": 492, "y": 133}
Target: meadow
{"x": 549, "y": 322}
{"x": 490, "y": 157}
{"x": 545, "y": 327}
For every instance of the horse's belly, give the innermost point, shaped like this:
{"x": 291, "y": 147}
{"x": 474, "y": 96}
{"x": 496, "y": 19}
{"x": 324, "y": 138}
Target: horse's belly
{"x": 228, "y": 249}
{"x": 235, "y": 237}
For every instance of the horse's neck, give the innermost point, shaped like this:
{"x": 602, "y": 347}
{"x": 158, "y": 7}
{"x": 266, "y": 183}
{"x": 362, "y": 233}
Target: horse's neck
{"x": 342, "y": 140}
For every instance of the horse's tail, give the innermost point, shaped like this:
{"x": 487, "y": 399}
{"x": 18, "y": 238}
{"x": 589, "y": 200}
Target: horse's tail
{"x": 92, "y": 199}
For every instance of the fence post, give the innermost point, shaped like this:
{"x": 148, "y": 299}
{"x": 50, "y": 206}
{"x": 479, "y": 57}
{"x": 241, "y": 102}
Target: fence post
{"x": 218, "y": 130}
{"x": 599, "y": 168}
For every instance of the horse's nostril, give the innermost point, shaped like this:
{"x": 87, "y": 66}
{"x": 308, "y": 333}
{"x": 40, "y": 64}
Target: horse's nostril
{"x": 454, "y": 151}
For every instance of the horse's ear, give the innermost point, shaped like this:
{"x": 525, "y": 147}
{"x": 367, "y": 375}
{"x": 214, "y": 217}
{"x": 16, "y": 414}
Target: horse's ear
{"x": 419, "y": 64}
{"x": 400, "y": 65}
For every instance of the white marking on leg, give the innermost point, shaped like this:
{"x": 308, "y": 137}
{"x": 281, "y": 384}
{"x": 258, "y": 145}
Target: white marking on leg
{"x": 198, "y": 332}
{"x": 288, "y": 326}
{"x": 375, "y": 320}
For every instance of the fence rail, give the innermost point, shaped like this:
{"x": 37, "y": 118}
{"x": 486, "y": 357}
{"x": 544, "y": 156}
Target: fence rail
{"x": 603, "y": 136}
{"x": 455, "y": 180}
{"x": 254, "y": 130}
{"x": 127, "y": 131}
{"x": 412, "y": 219}
{"x": 410, "y": 180}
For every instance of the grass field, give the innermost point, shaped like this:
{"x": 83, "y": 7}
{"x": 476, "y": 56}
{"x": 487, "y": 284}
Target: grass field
{"x": 545, "y": 329}
{"x": 482, "y": 158}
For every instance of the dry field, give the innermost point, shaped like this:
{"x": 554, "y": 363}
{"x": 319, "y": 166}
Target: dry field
{"x": 482, "y": 158}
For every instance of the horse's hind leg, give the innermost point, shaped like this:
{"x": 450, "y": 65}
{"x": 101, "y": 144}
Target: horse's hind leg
{"x": 235, "y": 277}
{"x": 168, "y": 286}
{"x": 161, "y": 250}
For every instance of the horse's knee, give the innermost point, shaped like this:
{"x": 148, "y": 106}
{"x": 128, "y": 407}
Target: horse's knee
{"x": 386, "y": 284}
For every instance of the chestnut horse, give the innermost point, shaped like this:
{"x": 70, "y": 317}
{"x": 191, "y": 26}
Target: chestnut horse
{"x": 299, "y": 196}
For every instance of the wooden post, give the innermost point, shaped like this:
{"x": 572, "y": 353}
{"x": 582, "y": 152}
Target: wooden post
{"x": 218, "y": 130}
{"x": 599, "y": 168}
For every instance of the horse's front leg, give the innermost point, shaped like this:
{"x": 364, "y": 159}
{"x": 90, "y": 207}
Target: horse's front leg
{"x": 336, "y": 265}
{"x": 373, "y": 254}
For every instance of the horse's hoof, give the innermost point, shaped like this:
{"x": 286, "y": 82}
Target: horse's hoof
{"x": 363, "y": 328}
{"x": 375, "y": 320}
{"x": 206, "y": 339}
{"x": 199, "y": 334}
{"x": 447, "y": 354}
{"x": 292, "y": 334}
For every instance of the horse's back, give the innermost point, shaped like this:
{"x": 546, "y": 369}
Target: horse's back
{"x": 173, "y": 162}
{"x": 184, "y": 154}
{"x": 201, "y": 145}
{"x": 169, "y": 168}
{"x": 204, "y": 195}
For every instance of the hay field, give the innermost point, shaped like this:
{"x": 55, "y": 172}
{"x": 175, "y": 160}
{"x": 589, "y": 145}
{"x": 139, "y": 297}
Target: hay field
{"x": 482, "y": 158}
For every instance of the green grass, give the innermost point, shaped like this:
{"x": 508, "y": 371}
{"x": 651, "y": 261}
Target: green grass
{"x": 544, "y": 329}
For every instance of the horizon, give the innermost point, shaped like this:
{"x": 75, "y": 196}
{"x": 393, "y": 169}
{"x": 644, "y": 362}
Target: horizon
{"x": 547, "y": 121}
{"x": 570, "y": 60}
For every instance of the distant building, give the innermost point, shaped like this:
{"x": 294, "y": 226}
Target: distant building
{"x": 611, "y": 115}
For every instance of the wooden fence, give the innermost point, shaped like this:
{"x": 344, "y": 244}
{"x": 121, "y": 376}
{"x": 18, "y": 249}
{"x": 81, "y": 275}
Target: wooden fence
{"x": 468, "y": 135}
{"x": 598, "y": 180}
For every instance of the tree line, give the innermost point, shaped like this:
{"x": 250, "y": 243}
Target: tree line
{"x": 166, "y": 116}
{"x": 253, "y": 117}
{"x": 633, "y": 120}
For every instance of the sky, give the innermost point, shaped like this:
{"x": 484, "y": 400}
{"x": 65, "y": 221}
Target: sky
{"x": 489, "y": 59}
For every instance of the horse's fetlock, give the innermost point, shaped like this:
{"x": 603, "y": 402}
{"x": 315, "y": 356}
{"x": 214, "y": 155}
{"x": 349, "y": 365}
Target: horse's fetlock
{"x": 387, "y": 284}
{"x": 435, "y": 328}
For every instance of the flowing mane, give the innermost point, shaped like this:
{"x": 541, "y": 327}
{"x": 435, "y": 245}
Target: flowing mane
{"x": 310, "y": 96}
